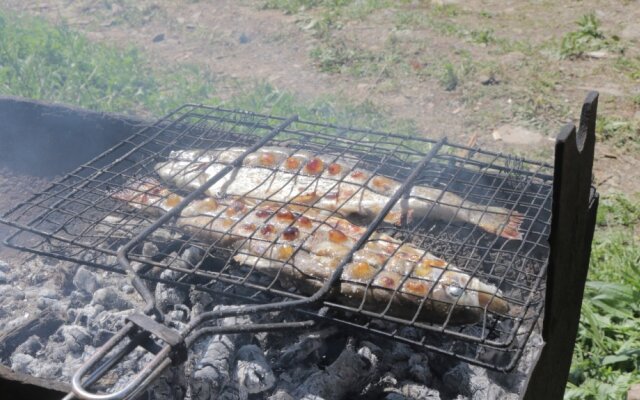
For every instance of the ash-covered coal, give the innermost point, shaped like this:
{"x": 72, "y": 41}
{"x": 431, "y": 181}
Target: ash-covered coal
{"x": 84, "y": 308}
{"x": 325, "y": 362}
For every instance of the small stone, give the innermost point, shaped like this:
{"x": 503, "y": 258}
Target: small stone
{"x": 3, "y": 278}
{"x": 517, "y": 135}
{"x": 599, "y": 54}
{"x": 158, "y": 38}
{"x": 110, "y": 299}
{"x": 634, "y": 392}
{"x": 20, "y": 363}
{"x": 244, "y": 39}
{"x": 489, "y": 80}
{"x": 86, "y": 281}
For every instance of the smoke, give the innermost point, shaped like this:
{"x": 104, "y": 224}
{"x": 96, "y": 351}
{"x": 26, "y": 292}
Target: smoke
{"x": 46, "y": 140}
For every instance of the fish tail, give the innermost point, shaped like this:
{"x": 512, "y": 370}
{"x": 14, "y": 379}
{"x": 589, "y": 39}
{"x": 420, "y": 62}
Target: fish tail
{"x": 506, "y": 225}
{"x": 136, "y": 190}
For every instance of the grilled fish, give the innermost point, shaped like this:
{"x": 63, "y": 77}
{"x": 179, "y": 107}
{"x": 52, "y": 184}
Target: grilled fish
{"x": 304, "y": 248}
{"x": 327, "y": 182}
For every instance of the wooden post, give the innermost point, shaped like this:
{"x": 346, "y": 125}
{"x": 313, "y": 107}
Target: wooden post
{"x": 573, "y": 221}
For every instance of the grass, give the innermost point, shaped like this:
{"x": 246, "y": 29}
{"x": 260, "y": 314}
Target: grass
{"x": 607, "y": 354}
{"x": 620, "y": 132}
{"x": 57, "y": 64}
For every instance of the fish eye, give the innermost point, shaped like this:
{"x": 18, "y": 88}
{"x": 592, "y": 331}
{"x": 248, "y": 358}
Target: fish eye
{"x": 454, "y": 290}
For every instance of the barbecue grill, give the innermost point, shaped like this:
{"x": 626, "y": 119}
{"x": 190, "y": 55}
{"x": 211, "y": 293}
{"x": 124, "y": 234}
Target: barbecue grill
{"x": 77, "y": 219}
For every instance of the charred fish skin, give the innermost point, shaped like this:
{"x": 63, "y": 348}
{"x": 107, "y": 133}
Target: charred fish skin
{"x": 329, "y": 182}
{"x": 305, "y": 248}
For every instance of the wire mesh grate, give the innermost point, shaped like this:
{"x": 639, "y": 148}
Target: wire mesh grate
{"x": 457, "y": 265}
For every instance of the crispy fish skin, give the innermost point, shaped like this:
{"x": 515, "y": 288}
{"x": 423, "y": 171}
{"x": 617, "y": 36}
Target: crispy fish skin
{"x": 329, "y": 182}
{"x": 305, "y": 248}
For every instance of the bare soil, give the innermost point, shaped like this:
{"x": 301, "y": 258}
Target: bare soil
{"x": 506, "y": 76}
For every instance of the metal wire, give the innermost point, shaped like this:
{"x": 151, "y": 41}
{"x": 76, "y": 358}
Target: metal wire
{"x": 78, "y": 219}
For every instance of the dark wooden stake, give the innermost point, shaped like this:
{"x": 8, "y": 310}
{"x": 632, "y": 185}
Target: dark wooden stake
{"x": 574, "y": 215}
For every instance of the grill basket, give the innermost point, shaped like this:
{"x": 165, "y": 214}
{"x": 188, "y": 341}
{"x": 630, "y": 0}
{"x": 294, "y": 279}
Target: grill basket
{"x": 77, "y": 219}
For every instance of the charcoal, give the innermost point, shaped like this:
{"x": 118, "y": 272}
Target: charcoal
{"x": 306, "y": 344}
{"x": 79, "y": 298}
{"x": 47, "y": 370}
{"x": 170, "y": 385}
{"x": 101, "y": 337}
{"x": 49, "y": 293}
{"x": 54, "y": 352}
{"x": 45, "y": 303}
{"x": 413, "y": 391}
{"x": 349, "y": 373}
{"x": 88, "y": 313}
{"x": 109, "y": 320}
{"x": 419, "y": 368}
{"x": 253, "y": 372}
{"x": 74, "y": 338}
{"x": 201, "y": 301}
{"x": 10, "y": 292}
{"x": 86, "y": 281}
{"x": 212, "y": 371}
{"x": 128, "y": 289}
{"x": 168, "y": 295}
{"x": 280, "y": 395}
{"x": 111, "y": 299}
{"x": 21, "y": 362}
{"x": 30, "y": 346}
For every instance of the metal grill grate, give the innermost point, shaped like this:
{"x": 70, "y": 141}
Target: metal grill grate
{"x": 78, "y": 219}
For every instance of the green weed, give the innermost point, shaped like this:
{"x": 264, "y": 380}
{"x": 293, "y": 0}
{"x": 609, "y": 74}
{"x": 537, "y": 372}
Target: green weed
{"x": 56, "y": 64}
{"x": 588, "y": 37}
{"x": 620, "y": 132}
{"x": 448, "y": 77}
{"x": 629, "y": 66}
{"x": 607, "y": 354}
{"x": 294, "y": 6}
{"x": 483, "y": 36}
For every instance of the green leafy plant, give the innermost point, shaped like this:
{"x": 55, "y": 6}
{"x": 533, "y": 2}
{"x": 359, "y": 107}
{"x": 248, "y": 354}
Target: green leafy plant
{"x": 588, "y": 37}
{"x": 607, "y": 353}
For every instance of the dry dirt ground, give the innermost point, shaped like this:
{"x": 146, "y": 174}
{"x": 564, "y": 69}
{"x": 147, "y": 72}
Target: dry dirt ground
{"x": 465, "y": 69}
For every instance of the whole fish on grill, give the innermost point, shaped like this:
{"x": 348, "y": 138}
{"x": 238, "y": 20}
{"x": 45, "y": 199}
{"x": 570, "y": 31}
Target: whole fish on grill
{"x": 304, "y": 248}
{"x": 327, "y": 182}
